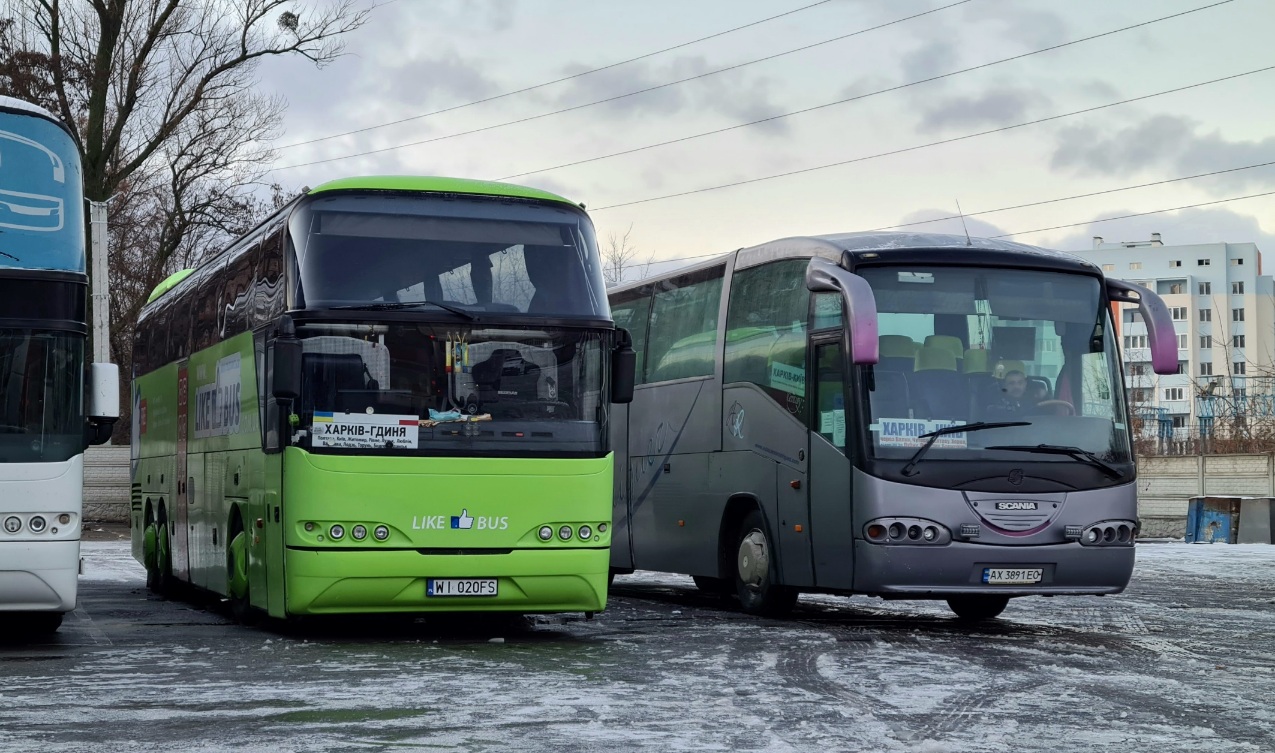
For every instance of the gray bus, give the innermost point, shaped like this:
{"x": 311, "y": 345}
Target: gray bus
{"x": 902, "y": 415}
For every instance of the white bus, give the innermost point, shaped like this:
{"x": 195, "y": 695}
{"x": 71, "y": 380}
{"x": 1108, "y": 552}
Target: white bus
{"x": 51, "y": 406}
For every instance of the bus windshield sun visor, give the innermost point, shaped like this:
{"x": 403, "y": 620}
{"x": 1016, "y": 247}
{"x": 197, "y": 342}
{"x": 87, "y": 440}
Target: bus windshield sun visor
{"x": 406, "y": 305}
{"x": 823, "y": 276}
{"x": 1160, "y": 334}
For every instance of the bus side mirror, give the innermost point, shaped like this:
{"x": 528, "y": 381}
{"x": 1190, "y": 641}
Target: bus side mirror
{"x": 104, "y": 391}
{"x": 102, "y": 407}
{"x": 823, "y": 276}
{"x": 286, "y": 379}
{"x": 623, "y": 368}
{"x": 1160, "y": 334}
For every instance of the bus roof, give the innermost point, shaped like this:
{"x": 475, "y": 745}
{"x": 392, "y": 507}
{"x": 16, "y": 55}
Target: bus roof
{"x": 423, "y": 183}
{"x": 438, "y": 185}
{"x": 22, "y": 105}
{"x": 886, "y": 246}
{"x": 169, "y": 283}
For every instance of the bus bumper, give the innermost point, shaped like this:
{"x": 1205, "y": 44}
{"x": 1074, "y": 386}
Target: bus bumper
{"x": 369, "y": 581}
{"x": 938, "y": 572}
{"x": 39, "y": 576}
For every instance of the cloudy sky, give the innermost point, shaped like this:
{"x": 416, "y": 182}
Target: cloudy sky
{"x": 415, "y": 57}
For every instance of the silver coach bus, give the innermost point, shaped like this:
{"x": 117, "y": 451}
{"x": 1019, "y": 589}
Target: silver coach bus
{"x": 894, "y": 414}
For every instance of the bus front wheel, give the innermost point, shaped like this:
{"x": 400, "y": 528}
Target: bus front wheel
{"x": 974, "y": 608}
{"x": 755, "y": 569}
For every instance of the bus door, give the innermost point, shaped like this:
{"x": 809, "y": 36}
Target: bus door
{"x": 831, "y": 519}
{"x": 179, "y": 511}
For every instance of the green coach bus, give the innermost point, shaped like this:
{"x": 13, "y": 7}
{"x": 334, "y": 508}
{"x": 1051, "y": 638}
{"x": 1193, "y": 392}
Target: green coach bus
{"x": 391, "y": 396}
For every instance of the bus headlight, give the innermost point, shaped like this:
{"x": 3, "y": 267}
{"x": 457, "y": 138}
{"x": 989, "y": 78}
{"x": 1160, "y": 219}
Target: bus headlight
{"x": 359, "y": 532}
{"x": 546, "y": 533}
{"x": 336, "y": 531}
{"x": 37, "y": 524}
{"x": 565, "y": 533}
{"x": 586, "y": 532}
{"x": 381, "y": 533}
{"x": 12, "y": 524}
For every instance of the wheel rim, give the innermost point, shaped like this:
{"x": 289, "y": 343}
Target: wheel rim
{"x": 238, "y": 553}
{"x": 753, "y": 560}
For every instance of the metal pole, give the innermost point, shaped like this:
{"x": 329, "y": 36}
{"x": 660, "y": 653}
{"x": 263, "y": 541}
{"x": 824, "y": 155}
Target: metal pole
{"x": 100, "y": 283}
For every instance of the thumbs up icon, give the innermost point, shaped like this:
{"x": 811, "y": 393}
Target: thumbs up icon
{"x": 463, "y": 521}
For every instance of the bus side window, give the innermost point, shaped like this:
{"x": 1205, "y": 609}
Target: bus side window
{"x": 683, "y": 336}
{"x": 633, "y": 315}
{"x": 766, "y": 332}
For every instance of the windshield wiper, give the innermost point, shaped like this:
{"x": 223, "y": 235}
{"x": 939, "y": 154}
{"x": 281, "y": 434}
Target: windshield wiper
{"x": 1076, "y": 453}
{"x": 907, "y": 470}
{"x": 400, "y": 305}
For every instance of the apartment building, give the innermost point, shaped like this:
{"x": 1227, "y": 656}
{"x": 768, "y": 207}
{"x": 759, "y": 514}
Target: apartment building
{"x": 1223, "y": 309}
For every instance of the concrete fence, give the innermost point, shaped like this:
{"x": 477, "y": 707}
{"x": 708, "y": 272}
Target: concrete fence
{"x": 1165, "y": 485}
{"x": 106, "y": 484}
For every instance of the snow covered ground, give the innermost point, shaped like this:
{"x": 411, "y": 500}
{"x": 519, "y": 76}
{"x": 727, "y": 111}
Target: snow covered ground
{"x": 1183, "y": 661}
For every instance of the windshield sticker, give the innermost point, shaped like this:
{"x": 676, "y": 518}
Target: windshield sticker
{"x": 833, "y": 422}
{"x": 365, "y": 430}
{"x": 788, "y": 378}
{"x": 907, "y": 432}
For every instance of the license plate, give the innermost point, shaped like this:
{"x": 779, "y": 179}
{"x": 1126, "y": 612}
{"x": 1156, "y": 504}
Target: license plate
{"x": 1010, "y": 575}
{"x": 460, "y": 587}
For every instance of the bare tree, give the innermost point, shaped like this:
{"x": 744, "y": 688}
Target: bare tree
{"x": 620, "y": 258}
{"x": 159, "y": 95}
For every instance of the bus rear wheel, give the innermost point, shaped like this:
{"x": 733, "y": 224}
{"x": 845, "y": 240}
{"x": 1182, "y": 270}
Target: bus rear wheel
{"x": 755, "y": 571}
{"x": 158, "y": 556}
{"x": 975, "y": 608}
{"x": 237, "y": 587}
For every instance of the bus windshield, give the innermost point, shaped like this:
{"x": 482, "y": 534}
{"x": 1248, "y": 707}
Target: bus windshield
{"x": 480, "y": 255}
{"x": 41, "y": 396}
{"x": 424, "y": 389}
{"x": 962, "y": 345}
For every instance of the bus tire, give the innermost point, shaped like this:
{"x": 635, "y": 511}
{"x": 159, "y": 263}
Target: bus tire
{"x": 755, "y": 569}
{"x": 237, "y": 586}
{"x": 159, "y": 571}
{"x": 44, "y": 623}
{"x": 976, "y": 608}
{"x": 26, "y": 625}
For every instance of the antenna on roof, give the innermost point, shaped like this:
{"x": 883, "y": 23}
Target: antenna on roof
{"x": 968, "y": 242}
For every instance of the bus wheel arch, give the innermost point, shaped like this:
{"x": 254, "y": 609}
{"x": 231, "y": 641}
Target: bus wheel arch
{"x": 754, "y": 562}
